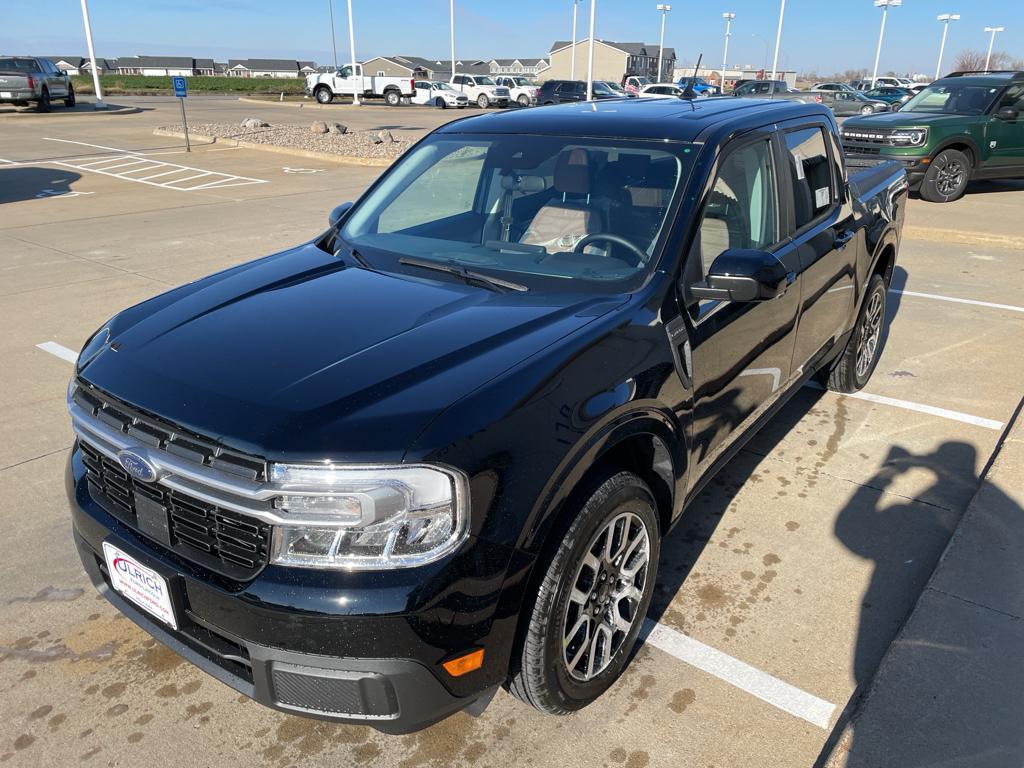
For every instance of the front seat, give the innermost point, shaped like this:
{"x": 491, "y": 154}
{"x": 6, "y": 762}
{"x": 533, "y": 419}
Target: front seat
{"x": 569, "y": 217}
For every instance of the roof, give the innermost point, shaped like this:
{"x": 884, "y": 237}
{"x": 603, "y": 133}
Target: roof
{"x": 160, "y": 62}
{"x": 652, "y": 119}
{"x": 271, "y": 65}
{"x": 633, "y": 49}
{"x": 205, "y": 64}
{"x": 75, "y": 61}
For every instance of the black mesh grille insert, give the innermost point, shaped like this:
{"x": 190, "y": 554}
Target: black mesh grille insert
{"x": 357, "y": 694}
{"x": 224, "y": 541}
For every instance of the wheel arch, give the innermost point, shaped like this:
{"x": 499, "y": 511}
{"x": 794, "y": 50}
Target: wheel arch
{"x": 962, "y": 143}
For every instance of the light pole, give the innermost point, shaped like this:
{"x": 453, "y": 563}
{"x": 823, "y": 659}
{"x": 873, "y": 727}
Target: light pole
{"x": 590, "y": 53}
{"x": 451, "y": 6}
{"x": 945, "y": 18}
{"x": 988, "y": 58}
{"x": 725, "y": 56}
{"x": 664, "y": 9}
{"x": 778, "y": 40}
{"x": 334, "y": 45}
{"x": 575, "y": 3}
{"x": 884, "y": 5}
{"x": 92, "y": 57}
{"x": 352, "y": 47}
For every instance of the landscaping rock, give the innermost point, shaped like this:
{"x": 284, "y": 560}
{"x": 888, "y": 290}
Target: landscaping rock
{"x": 252, "y": 122}
{"x": 337, "y": 128}
{"x": 363, "y": 144}
{"x": 318, "y": 126}
{"x": 386, "y": 137}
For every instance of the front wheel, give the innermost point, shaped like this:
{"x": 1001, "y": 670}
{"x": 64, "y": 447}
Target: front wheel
{"x": 854, "y": 366}
{"x": 69, "y": 102}
{"x": 482, "y": 101}
{"x": 524, "y": 100}
{"x": 947, "y": 177}
{"x": 323, "y": 95}
{"x": 392, "y": 98}
{"x": 440, "y": 103}
{"x": 597, "y": 584}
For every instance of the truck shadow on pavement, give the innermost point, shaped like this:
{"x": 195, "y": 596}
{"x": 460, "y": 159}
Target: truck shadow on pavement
{"x": 35, "y": 183}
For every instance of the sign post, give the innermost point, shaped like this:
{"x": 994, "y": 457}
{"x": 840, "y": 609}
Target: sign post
{"x": 180, "y": 92}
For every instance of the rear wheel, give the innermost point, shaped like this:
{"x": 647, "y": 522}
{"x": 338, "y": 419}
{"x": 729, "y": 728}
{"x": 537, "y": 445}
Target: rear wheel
{"x": 392, "y": 98}
{"x": 854, "y": 366}
{"x": 323, "y": 95}
{"x": 947, "y": 177}
{"x": 69, "y": 102}
{"x": 592, "y": 600}
{"x": 482, "y": 101}
{"x": 44, "y": 101}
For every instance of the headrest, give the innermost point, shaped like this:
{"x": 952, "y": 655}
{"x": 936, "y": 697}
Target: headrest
{"x": 572, "y": 172}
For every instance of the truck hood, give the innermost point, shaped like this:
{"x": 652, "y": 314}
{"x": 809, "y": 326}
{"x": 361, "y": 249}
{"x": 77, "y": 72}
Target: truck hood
{"x": 299, "y": 357}
{"x": 904, "y": 119}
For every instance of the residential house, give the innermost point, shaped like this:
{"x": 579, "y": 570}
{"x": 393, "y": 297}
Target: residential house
{"x": 70, "y": 64}
{"x": 282, "y": 68}
{"x": 105, "y": 66}
{"x": 156, "y": 66}
{"x": 525, "y": 67}
{"x": 205, "y": 67}
{"x": 612, "y": 60}
{"x": 423, "y": 69}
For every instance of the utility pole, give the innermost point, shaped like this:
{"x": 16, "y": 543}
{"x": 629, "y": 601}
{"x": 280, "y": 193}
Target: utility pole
{"x": 884, "y": 5}
{"x": 572, "y": 76}
{"x": 356, "y": 80}
{"x": 92, "y": 57}
{"x": 991, "y": 42}
{"x": 778, "y": 40}
{"x": 725, "y": 57}
{"x": 334, "y": 45}
{"x": 451, "y": 9}
{"x": 590, "y": 53}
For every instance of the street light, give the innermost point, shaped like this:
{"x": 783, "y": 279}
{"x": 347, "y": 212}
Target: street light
{"x": 92, "y": 57}
{"x": 664, "y": 9}
{"x": 988, "y": 58}
{"x": 451, "y": 8}
{"x": 725, "y": 57}
{"x": 334, "y": 45}
{"x": 590, "y": 53}
{"x": 575, "y": 3}
{"x": 778, "y": 40}
{"x": 352, "y": 46}
{"x": 945, "y": 18}
{"x": 884, "y": 5}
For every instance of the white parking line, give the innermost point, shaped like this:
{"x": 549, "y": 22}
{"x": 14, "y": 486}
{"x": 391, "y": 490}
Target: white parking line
{"x": 778, "y": 693}
{"x": 931, "y": 410}
{"x": 59, "y": 350}
{"x": 954, "y": 300}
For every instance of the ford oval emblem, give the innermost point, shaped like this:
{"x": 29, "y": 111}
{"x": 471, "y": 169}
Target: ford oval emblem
{"x": 137, "y": 465}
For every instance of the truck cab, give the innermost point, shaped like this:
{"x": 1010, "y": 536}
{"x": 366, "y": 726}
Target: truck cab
{"x": 481, "y": 90}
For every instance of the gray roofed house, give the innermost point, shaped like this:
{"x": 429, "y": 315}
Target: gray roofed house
{"x": 205, "y": 67}
{"x": 612, "y": 60}
{"x": 70, "y": 64}
{"x": 264, "y": 68}
{"x": 526, "y": 66}
{"x": 156, "y": 65}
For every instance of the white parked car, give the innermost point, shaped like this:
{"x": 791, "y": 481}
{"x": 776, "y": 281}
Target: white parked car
{"x": 520, "y": 89}
{"x": 439, "y": 94}
{"x": 481, "y": 90}
{"x": 895, "y": 82}
{"x": 660, "y": 91}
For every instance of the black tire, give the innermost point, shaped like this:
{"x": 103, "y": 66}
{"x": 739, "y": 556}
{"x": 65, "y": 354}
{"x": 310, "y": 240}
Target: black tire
{"x": 323, "y": 94}
{"x": 542, "y": 675}
{"x": 69, "y": 102}
{"x": 849, "y": 373}
{"x": 482, "y": 101}
{"x": 43, "y": 105}
{"x": 440, "y": 103}
{"x": 392, "y": 98}
{"x": 524, "y": 100}
{"x": 947, "y": 177}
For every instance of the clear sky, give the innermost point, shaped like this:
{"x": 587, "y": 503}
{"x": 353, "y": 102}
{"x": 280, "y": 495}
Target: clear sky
{"x": 821, "y": 35}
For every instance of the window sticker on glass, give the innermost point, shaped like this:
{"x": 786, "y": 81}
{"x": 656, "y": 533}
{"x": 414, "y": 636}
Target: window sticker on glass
{"x": 799, "y": 160}
{"x": 821, "y": 197}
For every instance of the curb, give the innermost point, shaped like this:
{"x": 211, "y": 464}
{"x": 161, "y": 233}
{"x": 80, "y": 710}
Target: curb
{"x": 838, "y": 743}
{"x": 375, "y": 162}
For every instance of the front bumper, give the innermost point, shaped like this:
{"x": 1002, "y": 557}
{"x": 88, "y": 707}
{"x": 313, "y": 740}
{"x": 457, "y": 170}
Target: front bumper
{"x": 916, "y": 166}
{"x": 291, "y": 639}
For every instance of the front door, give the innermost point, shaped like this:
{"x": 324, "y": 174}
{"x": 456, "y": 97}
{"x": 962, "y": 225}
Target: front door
{"x": 738, "y": 354}
{"x": 1006, "y": 137}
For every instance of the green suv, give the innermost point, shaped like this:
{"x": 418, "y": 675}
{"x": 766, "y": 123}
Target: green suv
{"x": 968, "y": 125}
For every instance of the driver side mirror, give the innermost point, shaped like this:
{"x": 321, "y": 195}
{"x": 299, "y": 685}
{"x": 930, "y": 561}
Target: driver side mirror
{"x": 744, "y": 275}
{"x": 338, "y": 214}
{"x": 1007, "y": 113}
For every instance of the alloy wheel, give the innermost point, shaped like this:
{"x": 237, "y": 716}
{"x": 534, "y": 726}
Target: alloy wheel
{"x": 606, "y": 594}
{"x": 871, "y": 333}
{"x": 949, "y": 178}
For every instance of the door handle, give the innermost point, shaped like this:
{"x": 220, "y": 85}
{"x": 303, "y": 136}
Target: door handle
{"x": 843, "y": 238}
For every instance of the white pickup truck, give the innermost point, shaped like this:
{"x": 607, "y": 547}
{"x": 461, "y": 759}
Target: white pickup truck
{"x": 326, "y": 85}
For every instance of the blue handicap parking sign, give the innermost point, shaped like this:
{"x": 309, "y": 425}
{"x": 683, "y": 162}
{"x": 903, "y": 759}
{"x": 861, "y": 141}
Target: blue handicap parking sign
{"x": 180, "y": 87}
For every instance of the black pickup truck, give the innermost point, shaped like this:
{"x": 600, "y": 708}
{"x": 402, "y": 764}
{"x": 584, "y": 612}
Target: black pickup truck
{"x": 435, "y": 450}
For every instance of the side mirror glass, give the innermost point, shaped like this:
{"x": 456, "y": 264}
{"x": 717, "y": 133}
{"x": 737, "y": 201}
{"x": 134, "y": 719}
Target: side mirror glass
{"x": 1008, "y": 113}
{"x": 744, "y": 275}
{"x": 338, "y": 214}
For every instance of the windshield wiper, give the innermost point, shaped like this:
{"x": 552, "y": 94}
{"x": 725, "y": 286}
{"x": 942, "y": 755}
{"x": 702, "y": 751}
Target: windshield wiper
{"x": 352, "y": 252}
{"x": 451, "y": 268}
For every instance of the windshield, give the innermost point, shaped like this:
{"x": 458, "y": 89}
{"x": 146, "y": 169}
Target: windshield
{"x": 519, "y": 206}
{"x": 953, "y": 99}
{"x": 483, "y": 80}
{"x": 442, "y": 87}
{"x": 613, "y": 86}
{"x": 520, "y": 81}
{"x": 602, "y": 88}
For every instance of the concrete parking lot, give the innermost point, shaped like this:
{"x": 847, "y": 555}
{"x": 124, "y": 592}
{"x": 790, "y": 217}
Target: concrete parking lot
{"x": 778, "y": 595}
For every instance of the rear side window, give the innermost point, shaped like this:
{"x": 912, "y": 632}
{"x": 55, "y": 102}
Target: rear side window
{"x": 810, "y": 174}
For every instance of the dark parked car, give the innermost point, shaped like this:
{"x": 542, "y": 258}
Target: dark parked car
{"x": 771, "y": 89}
{"x": 845, "y": 103}
{"x": 436, "y": 449}
{"x": 27, "y": 79}
{"x": 560, "y": 91}
{"x": 890, "y": 94}
{"x": 968, "y": 125}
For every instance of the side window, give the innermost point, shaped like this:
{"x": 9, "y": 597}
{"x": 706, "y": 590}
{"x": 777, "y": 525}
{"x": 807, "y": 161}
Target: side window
{"x": 811, "y": 175}
{"x": 458, "y": 79}
{"x": 345, "y": 72}
{"x": 1014, "y": 97}
{"x": 741, "y": 211}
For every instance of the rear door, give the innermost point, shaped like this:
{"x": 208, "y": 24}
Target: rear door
{"x": 822, "y": 230}
{"x": 737, "y": 354}
{"x": 1007, "y": 156}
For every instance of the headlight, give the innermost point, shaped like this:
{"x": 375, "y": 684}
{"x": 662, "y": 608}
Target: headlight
{"x": 352, "y": 517}
{"x": 912, "y": 137}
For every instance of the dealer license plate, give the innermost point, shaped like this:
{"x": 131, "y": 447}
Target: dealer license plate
{"x": 143, "y": 586}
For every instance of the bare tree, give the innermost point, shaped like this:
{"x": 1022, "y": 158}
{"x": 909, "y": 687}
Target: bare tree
{"x": 969, "y": 60}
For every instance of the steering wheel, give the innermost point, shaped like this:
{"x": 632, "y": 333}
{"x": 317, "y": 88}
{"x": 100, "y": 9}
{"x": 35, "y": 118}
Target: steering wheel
{"x": 641, "y": 257}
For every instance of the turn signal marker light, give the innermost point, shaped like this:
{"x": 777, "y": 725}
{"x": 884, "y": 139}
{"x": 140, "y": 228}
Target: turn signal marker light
{"x": 465, "y": 663}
